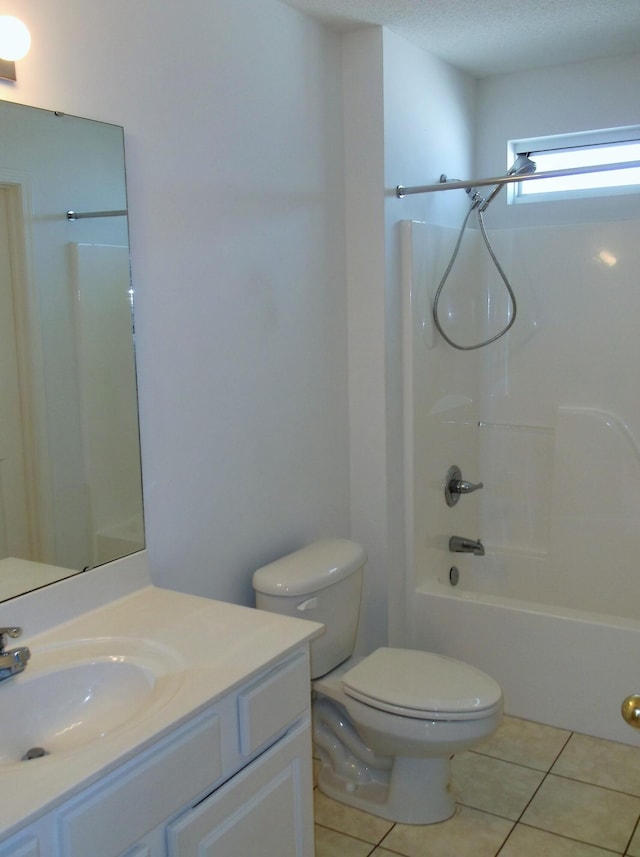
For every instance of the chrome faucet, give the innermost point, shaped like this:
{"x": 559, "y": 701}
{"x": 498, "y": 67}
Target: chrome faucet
{"x": 12, "y": 661}
{"x": 458, "y": 544}
{"x": 455, "y": 486}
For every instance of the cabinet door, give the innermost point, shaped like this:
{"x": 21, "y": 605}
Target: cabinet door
{"x": 266, "y": 809}
{"x": 105, "y": 821}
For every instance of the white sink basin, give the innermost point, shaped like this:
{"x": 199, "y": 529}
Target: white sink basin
{"x": 76, "y": 693}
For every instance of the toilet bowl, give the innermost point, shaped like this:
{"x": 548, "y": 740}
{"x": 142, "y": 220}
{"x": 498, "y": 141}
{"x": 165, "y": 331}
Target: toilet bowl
{"x": 385, "y": 726}
{"x": 411, "y": 711}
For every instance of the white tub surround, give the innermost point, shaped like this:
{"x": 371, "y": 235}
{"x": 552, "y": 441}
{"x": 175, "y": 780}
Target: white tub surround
{"x": 213, "y": 654}
{"x": 547, "y": 419}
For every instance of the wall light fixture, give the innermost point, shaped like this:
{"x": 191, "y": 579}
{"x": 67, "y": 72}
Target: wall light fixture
{"x": 15, "y": 41}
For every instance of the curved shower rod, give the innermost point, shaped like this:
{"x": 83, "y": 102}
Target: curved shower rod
{"x": 445, "y": 184}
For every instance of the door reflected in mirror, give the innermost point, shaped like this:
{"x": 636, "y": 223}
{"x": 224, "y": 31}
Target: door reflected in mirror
{"x": 70, "y": 482}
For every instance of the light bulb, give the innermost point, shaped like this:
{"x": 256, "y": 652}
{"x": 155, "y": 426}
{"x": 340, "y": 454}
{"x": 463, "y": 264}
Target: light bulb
{"x": 15, "y": 39}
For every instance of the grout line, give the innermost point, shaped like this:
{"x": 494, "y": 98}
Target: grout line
{"x": 351, "y": 835}
{"x": 531, "y": 799}
{"x": 633, "y": 833}
{"x": 540, "y": 784}
{"x": 547, "y": 770}
{"x": 372, "y": 846}
{"x": 518, "y": 822}
{"x": 511, "y": 762}
{"x": 571, "y": 839}
{"x": 385, "y": 836}
{"x": 399, "y": 853}
{"x": 550, "y": 770}
{"x": 593, "y": 785}
{"x": 486, "y": 812}
{"x": 546, "y": 774}
{"x": 507, "y": 838}
{"x": 564, "y": 747}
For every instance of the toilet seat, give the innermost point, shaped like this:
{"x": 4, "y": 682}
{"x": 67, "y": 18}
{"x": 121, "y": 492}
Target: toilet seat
{"x": 422, "y": 685}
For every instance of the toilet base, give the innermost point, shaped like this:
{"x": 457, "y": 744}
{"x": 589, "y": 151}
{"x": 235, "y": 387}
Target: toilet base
{"x": 415, "y": 791}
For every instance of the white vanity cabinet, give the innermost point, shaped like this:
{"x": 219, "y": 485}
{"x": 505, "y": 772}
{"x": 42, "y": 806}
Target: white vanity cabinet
{"x": 233, "y": 781}
{"x": 259, "y": 811}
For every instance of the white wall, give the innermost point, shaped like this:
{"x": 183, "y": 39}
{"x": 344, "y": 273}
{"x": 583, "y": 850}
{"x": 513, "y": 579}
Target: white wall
{"x": 364, "y": 169}
{"x": 429, "y": 120}
{"x": 232, "y": 115}
{"x": 395, "y": 99}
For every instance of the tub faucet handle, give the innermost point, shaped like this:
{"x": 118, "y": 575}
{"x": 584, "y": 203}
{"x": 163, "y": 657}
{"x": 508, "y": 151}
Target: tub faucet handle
{"x": 463, "y": 487}
{"x": 455, "y": 485}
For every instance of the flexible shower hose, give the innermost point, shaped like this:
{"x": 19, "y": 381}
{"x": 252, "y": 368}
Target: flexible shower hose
{"x": 475, "y": 204}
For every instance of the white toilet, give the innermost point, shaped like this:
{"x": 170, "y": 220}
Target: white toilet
{"x": 385, "y": 726}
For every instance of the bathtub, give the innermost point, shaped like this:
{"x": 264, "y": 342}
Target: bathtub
{"x": 552, "y": 611}
{"x": 562, "y": 667}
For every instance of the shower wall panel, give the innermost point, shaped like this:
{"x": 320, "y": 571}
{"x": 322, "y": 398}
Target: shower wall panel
{"x": 548, "y": 418}
{"x": 441, "y": 398}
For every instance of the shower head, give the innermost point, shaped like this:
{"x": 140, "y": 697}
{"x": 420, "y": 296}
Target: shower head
{"x": 522, "y": 166}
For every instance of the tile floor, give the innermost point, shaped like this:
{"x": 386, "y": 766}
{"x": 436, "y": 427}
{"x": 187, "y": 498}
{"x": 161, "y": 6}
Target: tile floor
{"x": 530, "y": 791}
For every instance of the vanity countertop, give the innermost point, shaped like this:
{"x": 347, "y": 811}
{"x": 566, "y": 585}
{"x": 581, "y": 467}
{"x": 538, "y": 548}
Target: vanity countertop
{"x": 214, "y": 648}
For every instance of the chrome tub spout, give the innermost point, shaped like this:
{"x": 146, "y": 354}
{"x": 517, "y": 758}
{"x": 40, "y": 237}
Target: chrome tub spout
{"x": 459, "y": 544}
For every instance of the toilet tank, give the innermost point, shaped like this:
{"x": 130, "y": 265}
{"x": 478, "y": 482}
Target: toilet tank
{"x": 321, "y": 582}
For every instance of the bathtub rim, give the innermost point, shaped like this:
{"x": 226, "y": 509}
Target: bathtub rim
{"x": 445, "y": 590}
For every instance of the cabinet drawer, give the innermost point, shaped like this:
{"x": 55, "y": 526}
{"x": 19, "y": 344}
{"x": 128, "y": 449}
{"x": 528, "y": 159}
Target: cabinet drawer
{"x": 269, "y": 706}
{"x": 155, "y": 786}
{"x": 264, "y": 811}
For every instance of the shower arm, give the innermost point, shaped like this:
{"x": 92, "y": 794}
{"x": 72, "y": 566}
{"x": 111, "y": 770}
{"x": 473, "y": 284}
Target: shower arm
{"x": 444, "y": 184}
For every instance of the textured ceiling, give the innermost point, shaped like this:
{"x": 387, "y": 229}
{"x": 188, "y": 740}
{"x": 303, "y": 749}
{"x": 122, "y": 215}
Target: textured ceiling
{"x": 487, "y": 37}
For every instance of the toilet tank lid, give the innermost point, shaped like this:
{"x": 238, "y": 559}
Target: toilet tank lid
{"x": 314, "y": 567}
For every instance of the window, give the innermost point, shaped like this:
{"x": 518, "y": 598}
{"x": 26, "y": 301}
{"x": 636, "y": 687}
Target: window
{"x": 575, "y": 151}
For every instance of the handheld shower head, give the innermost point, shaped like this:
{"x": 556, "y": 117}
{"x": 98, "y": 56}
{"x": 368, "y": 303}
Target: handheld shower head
{"x": 522, "y": 166}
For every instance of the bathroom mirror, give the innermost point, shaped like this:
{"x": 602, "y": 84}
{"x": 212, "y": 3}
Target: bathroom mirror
{"x": 70, "y": 483}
